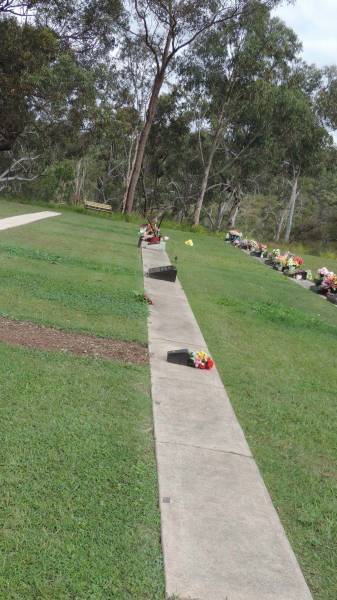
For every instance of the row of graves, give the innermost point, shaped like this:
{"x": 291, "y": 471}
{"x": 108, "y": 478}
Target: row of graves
{"x": 150, "y": 237}
{"x": 324, "y": 283}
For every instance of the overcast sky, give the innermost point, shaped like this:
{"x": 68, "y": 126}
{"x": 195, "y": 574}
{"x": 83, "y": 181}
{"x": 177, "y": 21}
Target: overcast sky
{"x": 315, "y": 22}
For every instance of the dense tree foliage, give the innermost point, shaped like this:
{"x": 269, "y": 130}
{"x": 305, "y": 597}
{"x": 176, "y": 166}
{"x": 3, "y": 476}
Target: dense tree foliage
{"x": 202, "y": 110}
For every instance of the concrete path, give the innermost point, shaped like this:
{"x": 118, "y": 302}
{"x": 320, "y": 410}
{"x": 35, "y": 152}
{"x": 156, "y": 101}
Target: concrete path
{"x": 221, "y": 536}
{"x": 18, "y": 220}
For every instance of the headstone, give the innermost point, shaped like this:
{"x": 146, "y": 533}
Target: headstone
{"x": 179, "y": 357}
{"x": 168, "y": 273}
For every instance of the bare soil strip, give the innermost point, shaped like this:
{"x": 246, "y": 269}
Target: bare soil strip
{"x": 32, "y": 335}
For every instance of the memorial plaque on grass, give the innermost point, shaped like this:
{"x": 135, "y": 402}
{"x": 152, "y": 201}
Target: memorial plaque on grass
{"x": 168, "y": 273}
{"x": 179, "y": 357}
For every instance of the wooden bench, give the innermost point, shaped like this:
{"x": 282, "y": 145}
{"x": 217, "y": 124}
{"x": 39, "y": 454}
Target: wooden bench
{"x": 98, "y": 206}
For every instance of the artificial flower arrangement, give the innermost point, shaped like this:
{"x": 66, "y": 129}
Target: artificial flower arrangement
{"x": 321, "y": 275}
{"x": 234, "y": 236}
{"x": 290, "y": 264}
{"x": 273, "y": 255}
{"x": 280, "y": 261}
{"x": 298, "y": 260}
{"x": 293, "y": 268}
{"x": 200, "y": 360}
{"x": 149, "y": 233}
{"x": 257, "y": 248}
{"x": 293, "y": 263}
{"x": 244, "y": 243}
{"x": 253, "y": 245}
{"x": 329, "y": 284}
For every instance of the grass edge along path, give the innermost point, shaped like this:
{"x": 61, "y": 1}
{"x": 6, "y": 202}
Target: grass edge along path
{"x": 275, "y": 346}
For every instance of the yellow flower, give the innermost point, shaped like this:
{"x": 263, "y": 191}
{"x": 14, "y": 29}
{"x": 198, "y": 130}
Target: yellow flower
{"x": 189, "y": 243}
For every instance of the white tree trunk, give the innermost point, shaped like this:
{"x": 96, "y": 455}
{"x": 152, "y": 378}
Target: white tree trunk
{"x": 280, "y": 225}
{"x": 208, "y": 166}
{"x": 221, "y": 212}
{"x": 291, "y": 208}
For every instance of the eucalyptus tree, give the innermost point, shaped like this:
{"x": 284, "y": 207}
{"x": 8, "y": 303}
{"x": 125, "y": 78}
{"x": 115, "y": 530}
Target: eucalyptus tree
{"x": 89, "y": 27}
{"x": 301, "y": 141}
{"x": 220, "y": 73}
{"x": 45, "y": 98}
{"x": 166, "y": 29}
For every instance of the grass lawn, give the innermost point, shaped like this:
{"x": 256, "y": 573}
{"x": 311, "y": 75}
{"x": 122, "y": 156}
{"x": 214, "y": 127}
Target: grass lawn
{"x": 79, "y": 507}
{"x": 275, "y": 345}
{"x": 75, "y": 272}
{"x": 10, "y": 209}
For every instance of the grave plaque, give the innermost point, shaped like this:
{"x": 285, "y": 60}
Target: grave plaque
{"x": 179, "y": 357}
{"x": 168, "y": 273}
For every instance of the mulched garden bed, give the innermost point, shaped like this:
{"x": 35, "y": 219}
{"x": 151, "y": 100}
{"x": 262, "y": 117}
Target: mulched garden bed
{"x": 32, "y": 335}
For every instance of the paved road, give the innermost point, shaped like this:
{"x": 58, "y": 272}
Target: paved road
{"x": 221, "y": 536}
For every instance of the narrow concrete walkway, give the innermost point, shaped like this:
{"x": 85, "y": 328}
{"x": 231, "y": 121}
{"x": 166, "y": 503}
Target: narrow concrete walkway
{"x": 18, "y": 220}
{"x": 221, "y": 536}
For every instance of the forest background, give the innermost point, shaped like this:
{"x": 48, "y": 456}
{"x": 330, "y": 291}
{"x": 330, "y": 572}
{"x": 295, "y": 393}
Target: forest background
{"x": 204, "y": 112}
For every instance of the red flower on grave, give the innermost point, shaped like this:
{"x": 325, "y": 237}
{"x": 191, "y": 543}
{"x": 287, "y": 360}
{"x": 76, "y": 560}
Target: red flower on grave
{"x": 209, "y": 363}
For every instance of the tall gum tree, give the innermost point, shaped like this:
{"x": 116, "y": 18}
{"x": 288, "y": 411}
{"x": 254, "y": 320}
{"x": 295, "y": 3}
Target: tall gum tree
{"x": 166, "y": 28}
{"x": 220, "y": 72}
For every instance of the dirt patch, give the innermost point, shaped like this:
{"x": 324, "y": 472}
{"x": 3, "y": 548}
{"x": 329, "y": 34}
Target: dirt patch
{"x": 31, "y": 335}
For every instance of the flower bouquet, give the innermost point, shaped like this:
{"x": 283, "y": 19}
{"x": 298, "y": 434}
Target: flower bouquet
{"x": 244, "y": 244}
{"x": 280, "y": 262}
{"x": 257, "y": 249}
{"x": 149, "y": 233}
{"x": 253, "y": 245}
{"x": 188, "y": 358}
{"x": 298, "y": 261}
{"x": 293, "y": 269}
{"x": 271, "y": 257}
{"x": 321, "y": 274}
{"x": 234, "y": 235}
{"x": 329, "y": 284}
{"x": 200, "y": 360}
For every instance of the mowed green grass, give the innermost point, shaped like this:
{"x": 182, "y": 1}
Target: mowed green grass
{"x": 10, "y": 209}
{"x": 76, "y": 272}
{"x": 275, "y": 345}
{"x": 79, "y": 512}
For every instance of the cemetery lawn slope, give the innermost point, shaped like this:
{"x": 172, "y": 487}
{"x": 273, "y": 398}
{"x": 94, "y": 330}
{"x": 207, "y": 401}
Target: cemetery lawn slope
{"x": 75, "y": 272}
{"x": 79, "y": 508}
{"x": 275, "y": 345}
